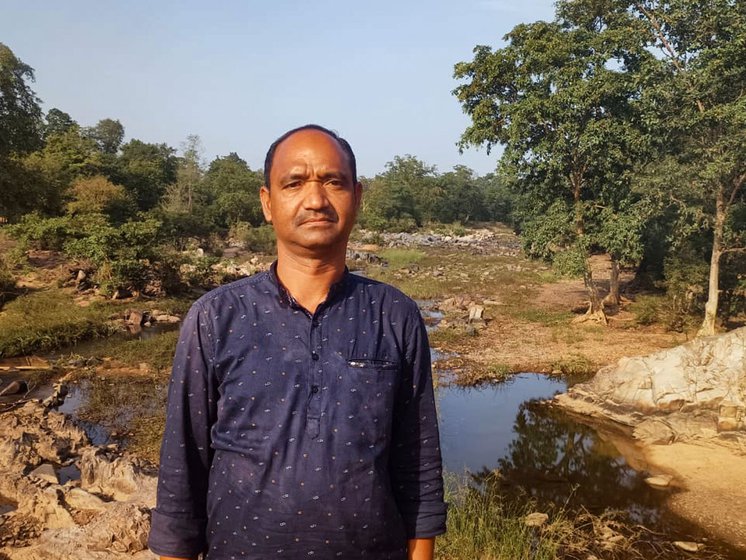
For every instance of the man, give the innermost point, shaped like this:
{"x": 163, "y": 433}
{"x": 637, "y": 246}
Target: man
{"x": 301, "y": 420}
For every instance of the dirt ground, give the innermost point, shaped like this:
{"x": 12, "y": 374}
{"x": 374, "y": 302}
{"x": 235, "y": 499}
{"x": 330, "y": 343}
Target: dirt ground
{"x": 544, "y": 336}
{"x": 714, "y": 482}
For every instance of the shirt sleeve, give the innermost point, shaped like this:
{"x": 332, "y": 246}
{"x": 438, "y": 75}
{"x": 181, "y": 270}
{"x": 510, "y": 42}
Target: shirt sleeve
{"x": 179, "y": 518}
{"x": 416, "y": 465}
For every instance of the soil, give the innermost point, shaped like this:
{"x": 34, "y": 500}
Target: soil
{"x": 714, "y": 482}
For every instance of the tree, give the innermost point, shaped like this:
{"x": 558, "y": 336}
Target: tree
{"x": 98, "y": 195}
{"x": 145, "y": 170}
{"x": 231, "y": 190}
{"x": 20, "y": 114}
{"x": 699, "y": 105}
{"x": 559, "y": 99}
{"x": 180, "y": 195}
{"x": 58, "y": 123}
{"x": 108, "y": 135}
{"x": 402, "y": 197}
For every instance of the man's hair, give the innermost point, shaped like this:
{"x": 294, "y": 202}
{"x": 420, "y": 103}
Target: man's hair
{"x": 344, "y": 144}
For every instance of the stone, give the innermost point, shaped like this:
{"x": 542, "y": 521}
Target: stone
{"x": 689, "y": 546}
{"x": 45, "y": 471}
{"x": 535, "y": 519}
{"x": 692, "y": 392}
{"x": 476, "y": 313}
{"x": 80, "y": 499}
{"x": 659, "y": 481}
{"x": 17, "y": 387}
{"x": 136, "y": 318}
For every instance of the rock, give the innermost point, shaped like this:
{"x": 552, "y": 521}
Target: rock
{"x": 17, "y": 387}
{"x": 689, "y": 546}
{"x": 80, "y": 499}
{"x": 535, "y": 519}
{"x": 59, "y": 522}
{"x": 120, "y": 478}
{"x": 476, "y": 313}
{"x": 659, "y": 481}
{"x": 135, "y": 317}
{"x": 165, "y": 318}
{"x": 81, "y": 276}
{"x": 45, "y": 471}
{"x": 687, "y": 393}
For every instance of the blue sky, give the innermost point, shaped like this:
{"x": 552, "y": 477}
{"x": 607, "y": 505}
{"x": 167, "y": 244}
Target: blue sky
{"x": 239, "y": 74}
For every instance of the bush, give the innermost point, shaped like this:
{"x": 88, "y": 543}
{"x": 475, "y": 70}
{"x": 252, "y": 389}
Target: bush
{"x": 36, "y": 232}
{"x": 7, "y": 283}
{"x": 258, "y": 239}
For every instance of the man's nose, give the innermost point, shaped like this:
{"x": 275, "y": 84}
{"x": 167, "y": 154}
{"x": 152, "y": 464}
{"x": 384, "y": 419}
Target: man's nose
{"x": 315, "y": 195}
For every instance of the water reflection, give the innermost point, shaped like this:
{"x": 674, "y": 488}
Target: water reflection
{"x": 540, "y": 451}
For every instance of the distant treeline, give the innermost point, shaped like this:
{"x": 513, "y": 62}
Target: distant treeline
{"x": 128, "y": 210}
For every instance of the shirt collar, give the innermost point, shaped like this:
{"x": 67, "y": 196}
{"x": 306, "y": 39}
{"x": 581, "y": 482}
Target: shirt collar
{"x": 286, "y": 298}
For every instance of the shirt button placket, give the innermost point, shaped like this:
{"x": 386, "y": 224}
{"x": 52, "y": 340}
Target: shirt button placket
{"x": 313, "y": 415}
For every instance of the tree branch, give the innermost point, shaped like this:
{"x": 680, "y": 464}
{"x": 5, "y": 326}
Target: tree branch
{"x": 667, "y": 46}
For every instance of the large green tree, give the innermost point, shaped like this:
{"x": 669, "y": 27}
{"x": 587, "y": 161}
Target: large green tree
{"x": 697, "y": 105}
{"x": 559, "y": 99}
{"x": 145, "y": 170}
{"x": 20, "y": 114}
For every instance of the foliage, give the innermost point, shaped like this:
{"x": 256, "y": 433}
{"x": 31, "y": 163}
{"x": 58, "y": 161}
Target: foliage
{"x": 20, "y": 115}
{"x": 257, "y": 239}
{"x": 483, "y": 523}
{"x": 98, "y": 195}
{"x": 400, "y": 258}
{"x": 47, "y": 320}
{"x": 7, "y": 283}
{"x": 107, "y": 134}
{"x": 145, "y": 170}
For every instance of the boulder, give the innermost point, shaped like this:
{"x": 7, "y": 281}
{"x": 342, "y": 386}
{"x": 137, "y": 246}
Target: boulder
{"x": 696, "y": 391}
{"x": 104, "y": 515}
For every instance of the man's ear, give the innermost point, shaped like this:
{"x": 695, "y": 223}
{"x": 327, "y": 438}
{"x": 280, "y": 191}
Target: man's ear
{"x": 266, "y": 203}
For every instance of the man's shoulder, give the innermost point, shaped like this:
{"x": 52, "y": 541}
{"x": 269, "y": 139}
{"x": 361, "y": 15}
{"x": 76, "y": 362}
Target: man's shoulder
{"x": 385, "y": 293}
{"x": 255, "y": 283}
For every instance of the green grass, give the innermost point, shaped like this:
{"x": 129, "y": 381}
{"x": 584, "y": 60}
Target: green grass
{"x": 543, "y": 316}
{"x": 49, "y": 319}
{"x": 483, "y": 525}
{"x": 400, "y": 258}
{"x": 157, "y": 351}
{"x": 574, "y": 364}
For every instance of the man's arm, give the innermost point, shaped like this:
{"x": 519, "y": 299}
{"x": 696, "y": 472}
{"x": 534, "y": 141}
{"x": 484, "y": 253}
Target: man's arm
{"x": 418, "y": 549}
{"x": 180, "y": 517}
{"x": 415, "y": 463}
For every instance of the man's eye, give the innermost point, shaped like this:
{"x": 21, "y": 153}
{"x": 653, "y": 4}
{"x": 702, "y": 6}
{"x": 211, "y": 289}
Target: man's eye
{"x": 334, "y": 183}
{"x": 293, "y": 184}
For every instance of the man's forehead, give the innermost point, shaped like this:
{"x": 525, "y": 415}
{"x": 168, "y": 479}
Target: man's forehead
{"x": 310, "y": 146}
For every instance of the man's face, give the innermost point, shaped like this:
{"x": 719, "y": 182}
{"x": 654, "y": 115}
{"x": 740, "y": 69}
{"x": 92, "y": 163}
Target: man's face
{"x": 312, "y": 201}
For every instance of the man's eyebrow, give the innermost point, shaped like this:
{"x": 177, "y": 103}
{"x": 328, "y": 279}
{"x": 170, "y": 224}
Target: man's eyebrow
{"x": 333, "y": 173}
{"x": 294, "y": 175}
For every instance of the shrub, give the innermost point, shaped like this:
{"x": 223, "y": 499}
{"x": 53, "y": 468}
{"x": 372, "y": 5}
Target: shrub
{"x": 258, "y": 239}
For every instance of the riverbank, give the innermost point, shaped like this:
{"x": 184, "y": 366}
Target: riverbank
{"x": 498, "y": 314}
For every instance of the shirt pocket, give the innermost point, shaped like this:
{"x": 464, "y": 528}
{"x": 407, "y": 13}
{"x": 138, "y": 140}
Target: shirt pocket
{"x": 372, "y": 385}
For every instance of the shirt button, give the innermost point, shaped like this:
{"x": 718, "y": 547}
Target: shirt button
{"x": 314, "y": 389}
{"x": 314, "y": 356}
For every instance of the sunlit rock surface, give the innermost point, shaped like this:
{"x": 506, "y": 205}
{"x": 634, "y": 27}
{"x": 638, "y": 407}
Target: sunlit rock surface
{"x": 103, "y": 513}
{"x": 696, "y": 391}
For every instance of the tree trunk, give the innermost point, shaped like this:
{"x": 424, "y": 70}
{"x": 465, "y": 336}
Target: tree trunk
{"x": 613, "y": 298}
{"x": 713, "y": 291}
{"x": 596, "y": 305}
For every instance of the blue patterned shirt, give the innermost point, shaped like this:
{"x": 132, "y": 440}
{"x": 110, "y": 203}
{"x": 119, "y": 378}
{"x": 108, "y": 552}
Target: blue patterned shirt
{"x": 298, "y": 435}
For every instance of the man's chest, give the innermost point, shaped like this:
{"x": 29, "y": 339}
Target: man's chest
{"x": 287, "y": 378}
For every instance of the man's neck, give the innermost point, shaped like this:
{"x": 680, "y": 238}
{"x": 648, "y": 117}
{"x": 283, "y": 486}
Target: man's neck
{"x": 308, "y": 279}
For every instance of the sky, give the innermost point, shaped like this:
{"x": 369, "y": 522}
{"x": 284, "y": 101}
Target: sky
{"x": 240, "y": 73}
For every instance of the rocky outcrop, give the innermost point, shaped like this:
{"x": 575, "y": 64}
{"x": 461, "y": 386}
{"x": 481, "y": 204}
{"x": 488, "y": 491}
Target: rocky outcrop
{"x": 103, "y": 513}
{"x": 696, "y": 391}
